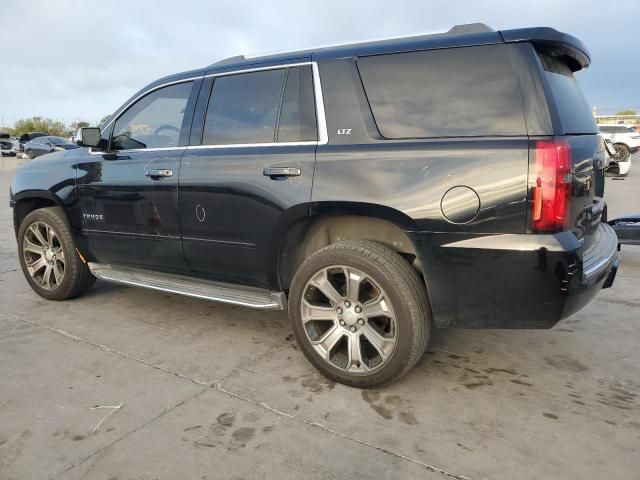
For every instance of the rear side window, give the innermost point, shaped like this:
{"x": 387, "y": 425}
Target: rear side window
{"x": 573, "y": 110}
{"x": 243, "y": 108}
{"x": 297, "y": 121}
{"x": 262, "y": 107}
{"x": 457, "y": 92}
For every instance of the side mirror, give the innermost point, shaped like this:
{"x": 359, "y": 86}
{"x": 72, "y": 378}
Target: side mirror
{"x": 89, "y": 137}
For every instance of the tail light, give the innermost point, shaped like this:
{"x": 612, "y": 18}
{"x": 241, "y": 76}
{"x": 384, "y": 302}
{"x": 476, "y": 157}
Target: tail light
{"x": 552, "y": 186}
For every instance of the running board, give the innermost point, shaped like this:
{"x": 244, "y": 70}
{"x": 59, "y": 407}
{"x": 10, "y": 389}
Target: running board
{"x": 191, "y": 287}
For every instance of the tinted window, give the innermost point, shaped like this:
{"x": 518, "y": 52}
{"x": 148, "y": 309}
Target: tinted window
{"x": 297, "y": 121}
{"x": 243, "y": 108}
{"x": 443, "y": 93}
{"x": 573, "y": 109}
{"x": 155, "y": 121}
{"x": 606, "y": 129}
{"x": 59, "y": 141}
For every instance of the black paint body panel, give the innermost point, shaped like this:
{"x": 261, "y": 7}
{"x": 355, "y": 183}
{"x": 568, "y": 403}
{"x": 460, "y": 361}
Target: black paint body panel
{"x": 218, "y": 217}
{"x": 236, "y": 239}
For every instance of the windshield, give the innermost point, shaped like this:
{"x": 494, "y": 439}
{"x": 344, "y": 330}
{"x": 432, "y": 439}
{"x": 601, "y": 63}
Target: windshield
{"x": 59, "y": 141}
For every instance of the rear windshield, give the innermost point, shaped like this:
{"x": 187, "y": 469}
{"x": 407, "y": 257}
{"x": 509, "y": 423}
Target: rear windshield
{"x": 573, "y": 110}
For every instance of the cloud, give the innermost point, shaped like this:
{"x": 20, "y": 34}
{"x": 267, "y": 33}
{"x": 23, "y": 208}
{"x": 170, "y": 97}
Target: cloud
{"x": 73, "y": 59}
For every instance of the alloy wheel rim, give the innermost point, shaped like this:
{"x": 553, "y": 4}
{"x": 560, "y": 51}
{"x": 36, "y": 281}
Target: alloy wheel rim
{"x": 620, "y": 153}
{"x": 43, "y": 255}
{"x": 349, "y": 319}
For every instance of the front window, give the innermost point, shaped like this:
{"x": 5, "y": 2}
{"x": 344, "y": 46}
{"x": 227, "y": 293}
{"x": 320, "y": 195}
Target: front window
{"x": 155, "y": 121}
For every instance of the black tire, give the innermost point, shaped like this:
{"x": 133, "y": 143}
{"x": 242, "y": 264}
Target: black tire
{"x": 400, "y": 283}
{"x": 76, "y": 278}
{"x": 622, "y": 152}
{"x": 30, "y": 154}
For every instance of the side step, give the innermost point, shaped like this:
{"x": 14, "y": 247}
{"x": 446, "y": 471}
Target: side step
{"x": 191, "y": 287}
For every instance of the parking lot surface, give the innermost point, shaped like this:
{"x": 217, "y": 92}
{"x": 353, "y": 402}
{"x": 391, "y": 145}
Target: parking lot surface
{"x": 211, "y": 391}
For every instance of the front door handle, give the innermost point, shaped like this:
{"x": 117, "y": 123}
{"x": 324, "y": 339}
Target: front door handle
{"x": 158, "y": 173}
{"x": 280, "y": 172}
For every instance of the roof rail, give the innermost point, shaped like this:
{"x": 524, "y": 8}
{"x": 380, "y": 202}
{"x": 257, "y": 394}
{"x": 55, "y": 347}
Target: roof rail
{"x": 235, "y": 58}
{"x": 470, "y": 28}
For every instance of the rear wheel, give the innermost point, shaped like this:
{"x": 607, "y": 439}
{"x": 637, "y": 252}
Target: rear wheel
{"x": 30, "y": 154}
{"x": 622, "y": 152}
{"x": 48, "y": 256}
{"x": 359, "y": 313}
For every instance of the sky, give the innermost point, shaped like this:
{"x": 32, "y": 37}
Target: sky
{"x": 74, "y": 60}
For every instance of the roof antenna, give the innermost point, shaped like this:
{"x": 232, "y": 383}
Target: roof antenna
{"x": 470, "y": 28}
{"x": 225, "y": 61}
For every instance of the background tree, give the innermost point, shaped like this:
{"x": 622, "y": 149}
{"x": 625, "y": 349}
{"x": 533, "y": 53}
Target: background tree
{"x": 76, "y": 125}
{"x": 39, "y": 124}
{"x": 627, "y": 112}
{"x": 104, "y": 119}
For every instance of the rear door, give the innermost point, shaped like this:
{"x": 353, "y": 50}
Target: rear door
{"x": 249, "y": 167}
{"x": 40, "y": 146}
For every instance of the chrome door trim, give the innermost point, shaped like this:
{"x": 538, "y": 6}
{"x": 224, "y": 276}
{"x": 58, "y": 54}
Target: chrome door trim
{"x": 321, "y": 120}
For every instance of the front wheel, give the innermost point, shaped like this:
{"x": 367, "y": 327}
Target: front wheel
{"x": 48, "y": 256}
{"x": 359, "y": 313}
{"x": 622, "y": 152}
{"x": 30, "y": 154}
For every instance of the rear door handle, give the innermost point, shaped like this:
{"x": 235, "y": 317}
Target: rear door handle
{"x": 279, "y": 172}
{"x": 158, "y": 173}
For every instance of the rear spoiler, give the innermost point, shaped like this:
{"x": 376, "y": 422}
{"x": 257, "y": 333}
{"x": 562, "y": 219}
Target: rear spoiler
{"x": 552, "y": 42}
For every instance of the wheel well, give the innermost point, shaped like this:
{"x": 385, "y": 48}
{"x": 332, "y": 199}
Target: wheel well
{"x": 309, "y": 235}
{"x": 24, "y": 207}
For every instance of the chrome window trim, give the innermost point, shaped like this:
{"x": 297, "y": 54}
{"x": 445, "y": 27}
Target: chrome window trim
{"x": 323, "y": 136}
{"x": 321, "y": 120}
{"x": 245, "y": 145}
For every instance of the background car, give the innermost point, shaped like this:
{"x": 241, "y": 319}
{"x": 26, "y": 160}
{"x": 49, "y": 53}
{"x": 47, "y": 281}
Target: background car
{"x": 625, "y": 139}
{"x": 26, "y": 137}
{"x": 614, "y": 167}
{"x": 8, "y": 148}
{"x": 42, "y": 145}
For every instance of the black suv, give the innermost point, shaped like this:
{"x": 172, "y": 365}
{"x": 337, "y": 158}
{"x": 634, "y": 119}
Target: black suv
{"x": 376, "y": 190}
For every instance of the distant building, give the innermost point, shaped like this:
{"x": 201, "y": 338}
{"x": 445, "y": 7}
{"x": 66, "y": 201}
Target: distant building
{"x": 618, "y": 119}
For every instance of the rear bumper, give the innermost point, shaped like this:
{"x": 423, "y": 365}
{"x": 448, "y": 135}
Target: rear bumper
{"x": 513, "y": 281}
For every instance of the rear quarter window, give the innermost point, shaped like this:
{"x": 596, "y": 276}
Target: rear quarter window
{"x": 456, "y": 92}
{"x": 572, "y": 108}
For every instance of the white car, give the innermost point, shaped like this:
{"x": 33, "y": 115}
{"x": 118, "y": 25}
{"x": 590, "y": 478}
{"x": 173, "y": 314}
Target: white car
{"x": 8, "y": 148}
{"x": 614, "y": 167}
{"x": 625, "y": 140}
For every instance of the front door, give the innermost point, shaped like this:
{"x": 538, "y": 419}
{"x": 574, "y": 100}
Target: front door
{"x": 128, "y": 195}
{"x": 251, "y": 166}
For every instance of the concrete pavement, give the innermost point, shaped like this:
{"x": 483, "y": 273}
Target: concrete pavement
{"x": 213, "y": 391}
